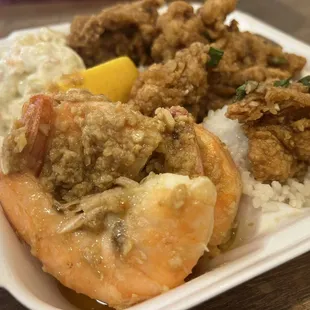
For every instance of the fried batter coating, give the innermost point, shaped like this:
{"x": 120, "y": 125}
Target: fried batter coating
{"x": 246, "y": 56}
{"x": 213, "y": 14}
{"x": 180, "y": 81}
{"x": 250, "y": 57}
{"x": 277, "y": 121}
{"x": 180, "y": 26}
{"x": 270, "y": 158}
{"x": 124, "y": 29}
{"x": 137, "y": 31}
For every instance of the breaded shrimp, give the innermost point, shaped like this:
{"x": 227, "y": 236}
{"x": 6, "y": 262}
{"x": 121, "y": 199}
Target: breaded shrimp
{"x": 221, "y": 169}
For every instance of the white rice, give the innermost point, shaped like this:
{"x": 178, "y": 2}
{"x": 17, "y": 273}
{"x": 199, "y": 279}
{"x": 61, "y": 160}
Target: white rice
{"x": 292, "y": 193}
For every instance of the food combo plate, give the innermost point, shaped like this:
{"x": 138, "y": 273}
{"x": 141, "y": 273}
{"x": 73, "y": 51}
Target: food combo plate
{"x": 263, "y": 241}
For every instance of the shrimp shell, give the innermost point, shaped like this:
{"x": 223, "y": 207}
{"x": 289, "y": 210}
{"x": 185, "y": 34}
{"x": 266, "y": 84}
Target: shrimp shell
{"x": 159, "y": 238}
{"x": 31, "y": 139}
{"x": 221, "y": 169}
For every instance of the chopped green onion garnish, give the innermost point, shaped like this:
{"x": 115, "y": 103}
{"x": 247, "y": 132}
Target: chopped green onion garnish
{"x": 240, "y": 92}
{"x": 282, "y": 83}
{"x": 250, "y": 86}
{"x": 246, "y": 88}
{"x": 216, "y": 55}
{"x": 277, "y": 61}
{"x": 305, "y": 80}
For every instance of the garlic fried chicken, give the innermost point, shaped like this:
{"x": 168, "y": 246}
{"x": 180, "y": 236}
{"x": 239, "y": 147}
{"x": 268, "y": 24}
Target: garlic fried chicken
{"x": 124, "y": 29}
{"x": 276, "y": 119}
{"x": 180, "y": 26}
{"x": 181, "y": 81}
{"x": 179, "y": 39}
{"x": 246, "y": 56}
{"x": 250, "y": 57}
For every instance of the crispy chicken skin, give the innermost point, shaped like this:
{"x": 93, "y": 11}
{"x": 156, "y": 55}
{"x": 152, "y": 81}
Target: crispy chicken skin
{"x": 180, "y": 81}
{"x": 246, "y": 56}
{"x": 213, "y": 14}
{"x": 250, "y": 57}
{"x": 180, "y": 26}
{"x": 124, "y": 29}
{"x": 171, "y": 39}
{"x": 276, "y": 120}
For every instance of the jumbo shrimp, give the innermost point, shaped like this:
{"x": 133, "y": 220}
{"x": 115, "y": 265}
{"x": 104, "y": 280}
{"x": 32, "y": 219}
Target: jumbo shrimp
{"x": 74, "y": 188}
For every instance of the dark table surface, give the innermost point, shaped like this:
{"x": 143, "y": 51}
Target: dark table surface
{"x": 286, "y": 287}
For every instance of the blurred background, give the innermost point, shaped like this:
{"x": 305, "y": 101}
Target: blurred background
{"x": 291, "y": 16}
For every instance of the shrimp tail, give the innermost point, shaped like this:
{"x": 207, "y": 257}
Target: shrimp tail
{"x": 26, "y": 145}
{"x": 37, "y": 119}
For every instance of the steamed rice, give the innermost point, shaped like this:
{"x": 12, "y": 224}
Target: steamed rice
{"x": 265, "y": 196}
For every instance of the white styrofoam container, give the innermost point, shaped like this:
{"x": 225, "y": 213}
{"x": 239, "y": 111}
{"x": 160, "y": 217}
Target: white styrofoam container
{"x": 275, "y": 237}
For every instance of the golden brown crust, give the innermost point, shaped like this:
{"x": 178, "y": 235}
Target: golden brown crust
{"x": 178, "y": 28}
{"x": 124, "y": 29}
{"x": 248, "y": 57}
{"x": 180, "y": 81}
{"x": 213, "y": 14}
{"x": 159, "y": 38}
{"x": 276, "y": 121}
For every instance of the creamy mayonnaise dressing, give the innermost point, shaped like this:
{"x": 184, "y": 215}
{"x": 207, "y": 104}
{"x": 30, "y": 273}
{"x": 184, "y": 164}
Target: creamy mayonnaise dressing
{"x": 28, "y": 65}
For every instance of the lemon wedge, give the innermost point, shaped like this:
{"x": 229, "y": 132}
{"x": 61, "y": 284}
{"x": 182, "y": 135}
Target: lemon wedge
{"x": 113, "y": 79}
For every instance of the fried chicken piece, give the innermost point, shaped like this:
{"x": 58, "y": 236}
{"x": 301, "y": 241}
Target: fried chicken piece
{"x": 180, "y": 26}
{"x": 246, "y": 56}
{"x": 181, "y": 81}
{"x": 213, "y": 14}
{"x": 124, "y": 29}
{"x": 276, "y": 121}
{"x": 250, "y": 57}
{"x": 301, "y": 130}
{"x": 269, "y": 104}
{"x": 178, "y": 152}
{"x": 271, "y": 160}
